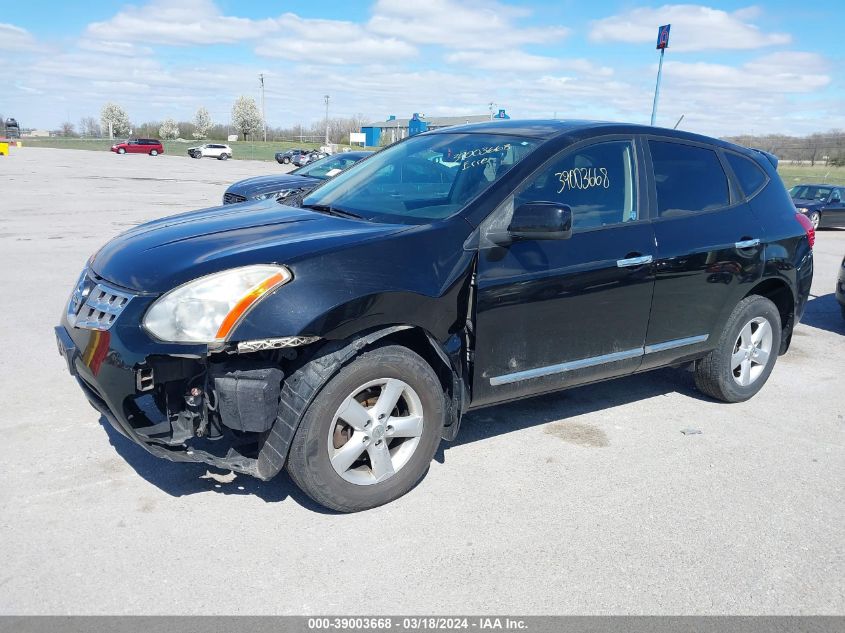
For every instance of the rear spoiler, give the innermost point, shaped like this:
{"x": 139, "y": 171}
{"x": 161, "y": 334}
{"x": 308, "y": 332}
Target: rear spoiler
{"x": 769, "y": 156}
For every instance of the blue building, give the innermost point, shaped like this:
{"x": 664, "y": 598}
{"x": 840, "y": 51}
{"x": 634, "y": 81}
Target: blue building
{"x": 393, "y": 129}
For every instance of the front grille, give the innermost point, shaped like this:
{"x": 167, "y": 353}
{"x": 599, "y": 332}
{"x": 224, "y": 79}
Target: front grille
{"x": 233, "y": 198}
{"x": 95, "y": 306}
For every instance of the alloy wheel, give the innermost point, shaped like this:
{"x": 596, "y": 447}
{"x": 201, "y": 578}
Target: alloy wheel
{"x": 376, "y": 431}
{"x": 751, "y": 351}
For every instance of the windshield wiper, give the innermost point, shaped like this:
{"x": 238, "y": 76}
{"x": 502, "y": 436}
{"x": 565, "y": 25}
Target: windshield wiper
{"x": 330, "y": 210}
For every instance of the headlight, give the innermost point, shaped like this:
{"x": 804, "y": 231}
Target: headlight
{"x": 284, "y": 193}
{"x": 207, "y": 309}
{"x": 803, "y": 209}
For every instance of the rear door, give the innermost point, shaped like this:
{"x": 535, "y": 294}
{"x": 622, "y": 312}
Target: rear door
{"x": 556, "y": 313}
{"x": 709, "y": 247}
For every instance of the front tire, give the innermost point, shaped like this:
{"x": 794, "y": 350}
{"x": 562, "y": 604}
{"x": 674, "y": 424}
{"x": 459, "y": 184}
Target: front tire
{"x": 121, "y": 151}
{"x": 371, "y": 432}
{"x": 745, "y": 354}
{"x": 286, "y": 160}
{"x": 815, "y": 219}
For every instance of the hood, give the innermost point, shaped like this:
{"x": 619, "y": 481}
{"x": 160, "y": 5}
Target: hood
{"x": 807, "y": 204}
{"x": 160, "y": 255}
{"x": 252, "y": 187}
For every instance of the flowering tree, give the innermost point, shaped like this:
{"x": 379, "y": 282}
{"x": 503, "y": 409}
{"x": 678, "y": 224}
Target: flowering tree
{"x": 246, "y": 118}
{"x": 169, "y": 129}
{"x": 114, "y": 114}
{"x": 202, "y": 123}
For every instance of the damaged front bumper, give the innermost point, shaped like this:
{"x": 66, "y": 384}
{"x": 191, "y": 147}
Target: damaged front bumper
{"x": 184, "y": 403}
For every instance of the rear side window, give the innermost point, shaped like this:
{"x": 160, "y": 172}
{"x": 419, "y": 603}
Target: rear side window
{"x": 751, "y": 177}
{"x": 689, "y": 179}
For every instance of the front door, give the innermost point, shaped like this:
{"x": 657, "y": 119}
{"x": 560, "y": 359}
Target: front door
{"x": 833, "y": 213}
{"x": 555, "y": 313}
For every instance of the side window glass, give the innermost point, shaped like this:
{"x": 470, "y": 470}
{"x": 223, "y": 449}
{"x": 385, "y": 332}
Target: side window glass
{"x": 689, "y": 179}
{"x": 836, "y": 196}
{"x": 597, "y": 181}
{"x": 751, "y": 177}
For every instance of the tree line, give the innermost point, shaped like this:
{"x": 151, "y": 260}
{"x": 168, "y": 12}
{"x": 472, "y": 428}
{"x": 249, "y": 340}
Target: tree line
{"x": 245, "y": 121}
{"x": 827, "y": 148}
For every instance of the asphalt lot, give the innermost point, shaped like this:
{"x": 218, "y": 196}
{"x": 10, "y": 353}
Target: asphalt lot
{"x": 590, "y": 501}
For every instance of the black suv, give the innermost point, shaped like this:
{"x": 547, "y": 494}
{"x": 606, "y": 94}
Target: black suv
{"x": 824, "y": 205}
{"x": 457, "y": 269}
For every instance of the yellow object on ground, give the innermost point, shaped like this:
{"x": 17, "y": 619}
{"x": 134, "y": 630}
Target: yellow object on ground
{"x": 4, "y": 149}
{"x": 18, "y": 144}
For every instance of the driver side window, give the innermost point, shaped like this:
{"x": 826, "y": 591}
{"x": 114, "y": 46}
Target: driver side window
{"x": 597, "y": 181}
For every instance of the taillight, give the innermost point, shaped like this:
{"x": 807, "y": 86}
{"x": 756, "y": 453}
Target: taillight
{"x": 804, "y": 221}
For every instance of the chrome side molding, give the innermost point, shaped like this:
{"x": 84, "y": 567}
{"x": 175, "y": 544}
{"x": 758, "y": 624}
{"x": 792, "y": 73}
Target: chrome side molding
{"x": 560, "y": 368}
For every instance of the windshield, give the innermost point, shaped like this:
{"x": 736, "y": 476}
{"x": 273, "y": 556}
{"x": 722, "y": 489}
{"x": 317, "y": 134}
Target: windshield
{"x": 427, "y": 177}
{"x": 808, "y": 192}
{"x": 327, "y": 167}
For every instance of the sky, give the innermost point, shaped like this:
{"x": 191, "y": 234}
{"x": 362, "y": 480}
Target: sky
{"x": 731, "y": 67}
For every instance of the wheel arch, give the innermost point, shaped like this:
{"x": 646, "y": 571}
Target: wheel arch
{"x": 306, "y": 381}
{"x": 778, "y": 292}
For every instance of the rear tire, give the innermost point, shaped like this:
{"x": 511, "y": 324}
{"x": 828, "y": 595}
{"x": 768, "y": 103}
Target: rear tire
{"x": 223, "y": 157}
{"x": 154, "y": 152}
{"x": 286, "y": 160}
{"x": 745, "y": 353}
{"x": 346, "y": 455}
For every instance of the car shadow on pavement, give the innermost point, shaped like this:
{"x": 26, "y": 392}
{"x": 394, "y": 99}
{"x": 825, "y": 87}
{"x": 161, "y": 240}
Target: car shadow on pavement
{"x": 823, "y": 312}
{"x": 186, "y": 478}
{"x": 563, "y": 405}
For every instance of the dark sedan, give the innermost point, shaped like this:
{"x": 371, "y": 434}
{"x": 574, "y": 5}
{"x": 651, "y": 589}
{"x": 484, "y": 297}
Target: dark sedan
{"x": 291, "y": 187}
{"x": 822, "y": 204}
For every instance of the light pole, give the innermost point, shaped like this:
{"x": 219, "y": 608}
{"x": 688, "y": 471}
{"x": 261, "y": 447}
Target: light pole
{"x": 326, "y": 97}
{"x": 263, "y": 111}
{"x": 662, "y": 45}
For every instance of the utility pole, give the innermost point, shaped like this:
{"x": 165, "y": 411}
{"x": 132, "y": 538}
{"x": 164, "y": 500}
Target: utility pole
{"x": 263, "y": 111}
{"x": 662, "y": 45}
{"x": 326, "y": 97}
{"x": 490, "y": 105}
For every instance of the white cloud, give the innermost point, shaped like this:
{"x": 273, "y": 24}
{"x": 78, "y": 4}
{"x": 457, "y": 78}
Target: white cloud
{"x": 520, "y": 61}
{"x": 14, "y": 38}
{"x": 179, "y": 23}
{"x": 332, "y": 42}
{"x": 468, "y": 25}
{"x": 123, "y": 49}
{"x": 694, "y": 28}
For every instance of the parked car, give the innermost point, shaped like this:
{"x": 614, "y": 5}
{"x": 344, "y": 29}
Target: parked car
{"x": 343, "y": 339}
{"x": 150, "y": 146}
{"x": 284, "y": 158}
{"x": 211, "y": 150}
{"x": 289, "y": 188}
{"x": 300, "y": 159}
{"x": 840, "y": 288}
{"x": 824, "y": 205}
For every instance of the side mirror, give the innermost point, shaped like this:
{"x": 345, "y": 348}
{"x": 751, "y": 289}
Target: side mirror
{"x": 541, "y": 221}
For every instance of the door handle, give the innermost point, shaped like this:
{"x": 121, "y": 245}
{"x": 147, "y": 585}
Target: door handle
{"x": 747, "y": 243}
{"x": 634, "y": 261}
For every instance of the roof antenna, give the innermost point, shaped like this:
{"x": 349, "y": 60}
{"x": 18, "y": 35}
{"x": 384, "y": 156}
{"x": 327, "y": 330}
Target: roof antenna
{"x": 675, "y": 127}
